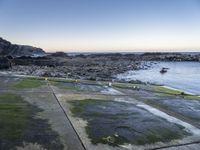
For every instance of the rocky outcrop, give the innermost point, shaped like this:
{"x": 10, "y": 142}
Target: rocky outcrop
{"x": 169, "y": 57}
{"x": 94, "y": 66}
{"x": 76, "y": 67}
{"x": 4, "y": 63}
{"x": 82, "y": 66}
{"x": 37, "y": 61}
{"x": 9, "y": 49}
{"x": 59, "y": 54}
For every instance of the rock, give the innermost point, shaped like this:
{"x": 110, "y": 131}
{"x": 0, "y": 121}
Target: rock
{"x": 169, "y": 57}
{"x": 38, "y": 61}
{"x": 9, "y": 49}
{"x": 90, "y": 67}
{"x": 4, "y": 63}
{"x": 59, "y": 54}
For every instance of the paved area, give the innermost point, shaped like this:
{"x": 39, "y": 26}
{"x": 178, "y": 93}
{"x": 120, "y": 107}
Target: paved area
{"x": 78, "y": 115}
{"x": 47, "y": 128}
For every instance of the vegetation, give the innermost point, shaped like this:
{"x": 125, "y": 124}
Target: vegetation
{"x": 192, "y": 97}
{"x": 28, "y": 83}
{"x": 160, "y": 135}
{"x": 79, "y": 109}
{"x": 64, "y": 85}
{"x": 125, "y": 85}
{"x": 14, "y": 114}
{"x": 78, "y": 106}
{"x": 101, "y": 114}
{"x": 167, "y": 91}
{"x": 62, "y": 80}
{"x": 164, "y": 90}
{"x": 18, "y": 124}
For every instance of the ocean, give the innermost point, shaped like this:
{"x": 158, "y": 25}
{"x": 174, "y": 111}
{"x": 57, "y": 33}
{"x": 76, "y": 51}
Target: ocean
{"x": 184, "y": 76}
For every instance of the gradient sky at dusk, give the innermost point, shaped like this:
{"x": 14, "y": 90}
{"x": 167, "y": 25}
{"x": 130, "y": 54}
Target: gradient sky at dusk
{"x": 102, "y": 25}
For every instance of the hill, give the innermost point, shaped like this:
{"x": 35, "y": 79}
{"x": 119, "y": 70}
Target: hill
{"x": 14, "y": 50}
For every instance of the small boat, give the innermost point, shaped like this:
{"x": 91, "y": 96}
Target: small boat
{"x": 163, "y": 70}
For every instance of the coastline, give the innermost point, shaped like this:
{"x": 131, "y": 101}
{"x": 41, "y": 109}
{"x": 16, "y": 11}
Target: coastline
{"x": 181, "y": 76}
{"x": 171, "y": 88}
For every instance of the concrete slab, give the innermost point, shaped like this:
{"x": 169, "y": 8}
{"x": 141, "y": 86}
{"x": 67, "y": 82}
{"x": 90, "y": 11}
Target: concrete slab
{"x": 179, "y": 106}
{"x": 39, "y": 121}
{"x": 184, "y": 147}
{"x": 108, "y": 118}
{"x": 80, "y": 123}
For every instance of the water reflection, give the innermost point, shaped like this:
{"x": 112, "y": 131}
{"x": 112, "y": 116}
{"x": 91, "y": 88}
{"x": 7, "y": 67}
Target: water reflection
{"x": 181, "y": 75}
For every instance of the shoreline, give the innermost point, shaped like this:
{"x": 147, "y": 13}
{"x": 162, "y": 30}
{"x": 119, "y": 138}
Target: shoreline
{"x": 10, "y": 73}
{"x": 181, "y": 76}
{"x": 179, "y": 90}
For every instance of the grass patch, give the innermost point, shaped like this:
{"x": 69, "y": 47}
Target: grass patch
{"x": 36, "y": 78}
{"x": 76, "y": 86}
{"x": 28, "y": 83}
{"x": 79, "y": 109}
{"x": 192, "y": 97}
{"x": 117, "y": 123}
{"x": 62, "y": 80}
{"x": 78, "y": 106}
{"x": 126, "y": 85}
{"x": 64, "y": 85}
{"x": 19, "y": 125}
{"x": 161, "y": 135}
{"x": 167, "y": 91}
{"x": 164, "y": 90}
{"x": 14, "y": 116}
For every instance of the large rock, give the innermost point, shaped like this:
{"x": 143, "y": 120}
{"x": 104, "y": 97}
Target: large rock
{"x": 9, "y": 49}
{"x": 39, "y": 61}
{"x": 4, "y": 63}
{"x": 59, "y": 54}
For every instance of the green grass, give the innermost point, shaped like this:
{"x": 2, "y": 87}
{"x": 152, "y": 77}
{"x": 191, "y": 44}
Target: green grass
{"x": 160, "y": 135}
{"x": 36, "y": 78}
{"x": 192, "y": 97}
{"x": 167, "y": 91}
{"x": 62, "y": 85}
{"x": 88, "y": 110}
{"x": 14, "y": 114}
{"x": 19, "y": 124}
{"x": 164, "y": 90}
{"x": 78, "y": 106}
{"x": 28, "y": 83}
{"x": 62, "y": 80}
{"x": 125, "y": 85}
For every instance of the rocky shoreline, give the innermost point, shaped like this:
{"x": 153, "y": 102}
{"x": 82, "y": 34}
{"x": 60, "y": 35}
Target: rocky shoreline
{"x": 90, "y": 67}
{"x": 27, "y": 60}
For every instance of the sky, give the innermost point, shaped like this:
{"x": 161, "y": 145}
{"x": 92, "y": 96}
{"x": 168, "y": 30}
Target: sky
{"x": 102, "y": 25}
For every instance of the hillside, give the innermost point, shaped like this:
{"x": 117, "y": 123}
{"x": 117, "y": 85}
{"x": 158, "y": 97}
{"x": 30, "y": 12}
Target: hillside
{"x": 9, "y": 49}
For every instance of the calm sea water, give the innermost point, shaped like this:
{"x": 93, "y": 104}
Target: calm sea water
{"x": 184, "y": 76}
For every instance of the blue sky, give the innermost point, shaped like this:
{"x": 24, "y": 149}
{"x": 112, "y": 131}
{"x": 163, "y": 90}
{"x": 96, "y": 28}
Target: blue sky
{"x": 102, "y": 25}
